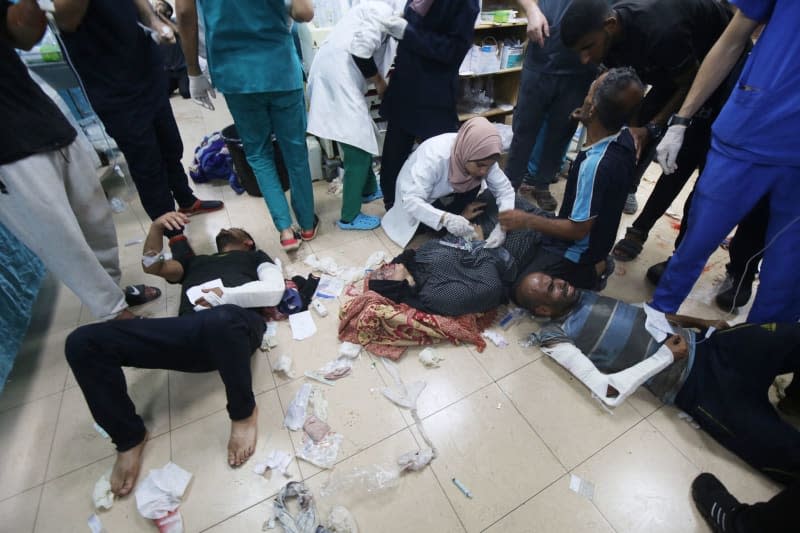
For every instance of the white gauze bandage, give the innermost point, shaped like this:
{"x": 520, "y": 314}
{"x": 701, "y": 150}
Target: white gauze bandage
{"x": 624, "y": 382}
{"x": 266, "y": 292}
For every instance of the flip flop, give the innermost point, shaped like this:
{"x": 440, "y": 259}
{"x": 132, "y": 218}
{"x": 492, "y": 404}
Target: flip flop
{"x": 138, "y": 294}
{"x": 361, "y": 222}
{"x": 290, "y": 245}
{"x": 308, "y": 234}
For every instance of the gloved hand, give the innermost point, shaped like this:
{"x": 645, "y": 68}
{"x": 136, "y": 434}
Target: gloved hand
{"x": 202, "y": 91}
{"x": 496, "y": 238}
{"x": 395, "y": 26}
{"x": 668, "y": 148}
{"x": 458, "y": 225}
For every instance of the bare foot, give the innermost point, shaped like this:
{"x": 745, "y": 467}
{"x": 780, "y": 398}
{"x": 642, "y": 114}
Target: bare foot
{"x": 125, "y": 315}
{"x": 126, "y": 469}
{"x": 242, "y": 443}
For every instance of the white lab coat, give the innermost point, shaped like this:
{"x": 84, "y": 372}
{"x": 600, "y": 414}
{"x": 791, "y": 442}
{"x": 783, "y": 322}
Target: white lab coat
{"x": 337, "y": 108}
{"x": 423, "y": 180}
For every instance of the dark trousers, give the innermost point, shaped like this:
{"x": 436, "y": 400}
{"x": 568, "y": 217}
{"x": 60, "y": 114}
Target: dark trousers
{"x": 222, "y": 338}
{"x": 747, "y": 244}
{"x": 697, "y": 141}
{"x": 726, "y": 393}
{"x": 544, "y": 96}
{"x": 778, "y": 515}
{"x": 397, "y": 147}
{"x": 150, "y": 140}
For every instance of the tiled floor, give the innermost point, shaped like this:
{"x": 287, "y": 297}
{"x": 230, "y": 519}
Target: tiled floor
{"x": 509, "y": 424}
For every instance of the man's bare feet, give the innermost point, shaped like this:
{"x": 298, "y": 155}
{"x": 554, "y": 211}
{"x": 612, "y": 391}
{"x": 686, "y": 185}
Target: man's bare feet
{"x": 125, "y": 314}
{"x": 126, "y": 469}
{"x": 242, "y": 443}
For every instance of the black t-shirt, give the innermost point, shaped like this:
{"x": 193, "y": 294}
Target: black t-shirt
{"x": 233, "y": 268}
{"x": 554, "y": 57}
{"x": 31, "y": 122}
{"x": 119, "y": 63}
{"x": 661, "y": 38}
{"x": 597, "y": 186}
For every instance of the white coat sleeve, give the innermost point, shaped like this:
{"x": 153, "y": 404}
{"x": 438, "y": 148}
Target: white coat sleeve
{"x": 266, "y": 292}
{"x": 625, "y": 382}
{"x": 416, "y": 181}
{"x": 499, "y": 185}
{"x": 369, "y": 36}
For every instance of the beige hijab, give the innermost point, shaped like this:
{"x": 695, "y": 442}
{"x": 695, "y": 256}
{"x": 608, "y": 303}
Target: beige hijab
{"x": 477, "y": 139}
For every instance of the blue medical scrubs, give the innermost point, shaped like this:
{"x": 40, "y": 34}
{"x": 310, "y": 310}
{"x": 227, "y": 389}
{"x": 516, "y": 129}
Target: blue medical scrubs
{"x": 254, "y": 63}
{"x": 753, "y": 154}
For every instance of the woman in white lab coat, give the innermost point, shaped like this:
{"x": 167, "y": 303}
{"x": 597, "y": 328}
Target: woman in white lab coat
{"x": 442, "y": 177}
{"x": 353, "y": 55}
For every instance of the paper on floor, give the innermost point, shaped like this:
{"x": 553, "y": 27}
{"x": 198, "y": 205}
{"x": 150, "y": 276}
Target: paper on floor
{"x": 95, "y": 525}
{"x": 102, "y": 496}
{"x": 296, "y": 411}
{"x": 161, "y": 491}
{"x": 302, "y": 325}
{"x": 581, "y": 486}
{"x": 277, "y": 461}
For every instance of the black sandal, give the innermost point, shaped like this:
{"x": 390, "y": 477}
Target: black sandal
{"x": 630, "y": 247}
{"x": 138, "y": 294}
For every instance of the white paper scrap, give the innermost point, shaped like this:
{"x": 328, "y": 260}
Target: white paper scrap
{"x": 581, "y": 486}
{"x": 302, "y": 325}
{"x": 95, "y": 525}
{"x": 329, "y": 287}
{"x": 196, "y": 292}
{"x": 161, "y": 491}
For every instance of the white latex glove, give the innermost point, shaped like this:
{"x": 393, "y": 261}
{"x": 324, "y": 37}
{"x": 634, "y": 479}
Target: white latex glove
{"x": 458, "y": 225}
{"x": 496, "y": 238}
{"x": 202, "y": 91}
{"x": 668, "y": 148}
{"x": 395, "y": 26}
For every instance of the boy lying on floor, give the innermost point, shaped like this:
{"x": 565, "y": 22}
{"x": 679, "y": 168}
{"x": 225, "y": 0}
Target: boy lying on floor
{"x": 219, "y": 330}
{"x": 721, "y": 381}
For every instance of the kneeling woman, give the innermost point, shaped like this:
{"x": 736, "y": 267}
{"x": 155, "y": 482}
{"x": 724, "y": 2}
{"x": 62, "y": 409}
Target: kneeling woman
{"x": 442, "y": 177}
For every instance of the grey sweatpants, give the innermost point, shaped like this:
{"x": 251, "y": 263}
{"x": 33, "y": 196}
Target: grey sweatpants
{"x": 56, "y": 207}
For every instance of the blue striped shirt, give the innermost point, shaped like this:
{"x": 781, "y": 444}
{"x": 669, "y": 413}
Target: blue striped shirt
{"x": 597, "y": 186}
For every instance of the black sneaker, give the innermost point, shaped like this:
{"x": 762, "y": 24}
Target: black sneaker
{"x": 655, "y": 272}
{"x": 727, "y": 299}
{"x": 717, "y": 506}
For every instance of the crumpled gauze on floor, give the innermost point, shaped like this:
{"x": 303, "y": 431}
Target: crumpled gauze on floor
{"x": 306, "y": 520}
{"x": 340, "y": 520}
{"x": 102, "y": 496}
{"x": 161, "y": 491}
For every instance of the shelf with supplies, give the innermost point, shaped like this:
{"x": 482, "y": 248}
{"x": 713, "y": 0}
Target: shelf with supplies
{"x": 494, "y": 73}
{"x": 494, "y": 112}
{"x": 490, "y": 74}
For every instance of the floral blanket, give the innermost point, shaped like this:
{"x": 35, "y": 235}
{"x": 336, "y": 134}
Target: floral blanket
{"x": 386, "y": 329}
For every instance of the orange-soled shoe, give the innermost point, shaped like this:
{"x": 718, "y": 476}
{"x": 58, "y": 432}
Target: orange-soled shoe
{"x": 292, "y": 244}
{"x": 308, "y": 234}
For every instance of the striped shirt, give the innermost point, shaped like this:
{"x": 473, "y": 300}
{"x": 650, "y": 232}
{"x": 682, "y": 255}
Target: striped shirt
{"x": 612, "y": 335}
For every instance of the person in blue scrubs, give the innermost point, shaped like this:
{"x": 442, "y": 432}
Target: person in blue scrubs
{"x": 253, "y": 61}
{"x": 753, "y": 155}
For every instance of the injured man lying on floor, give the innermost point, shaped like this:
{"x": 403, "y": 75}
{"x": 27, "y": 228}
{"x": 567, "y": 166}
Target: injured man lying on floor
{"x": 219, "y": 327}
{"x": 721, "y": 379}
{"x": 452, "y": 276}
